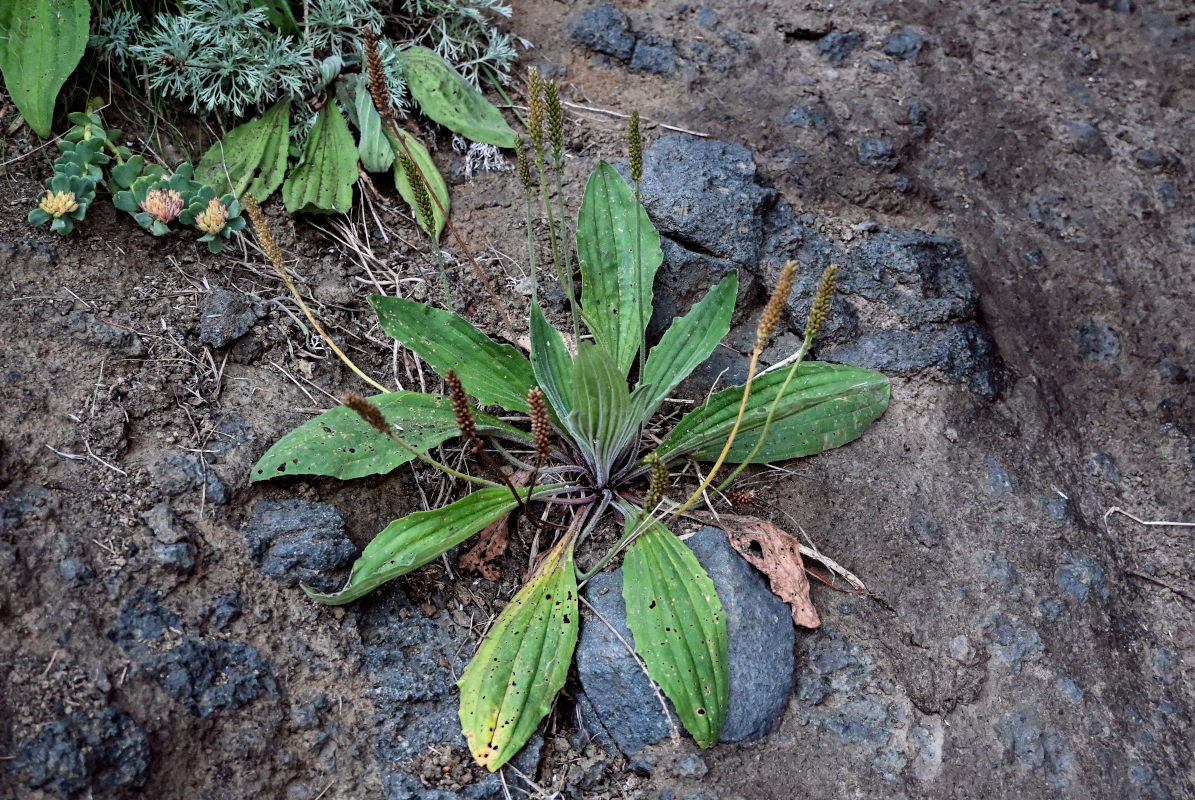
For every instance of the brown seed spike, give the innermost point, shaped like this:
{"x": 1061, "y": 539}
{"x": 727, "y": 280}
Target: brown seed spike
{"x": 268, "y": 244}
{"x": 771, "y": 313}
{"x": 368, "y": 412}
{"x": 635, "y": 149}
{"x": 535, "y": 112}
{"x": 555, "y": 119}
{"x": 541, "y": 427}
{"x": 377, "y": 77}
{"x": 462, "y": 410}
{"x": 659, "y": 482}
{"x": 524, "y": 168}
{"x": 821, "y": 302}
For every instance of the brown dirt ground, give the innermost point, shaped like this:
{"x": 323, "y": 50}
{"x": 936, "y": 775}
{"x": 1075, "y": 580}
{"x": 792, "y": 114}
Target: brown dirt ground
{"x": 1004, "y": 82}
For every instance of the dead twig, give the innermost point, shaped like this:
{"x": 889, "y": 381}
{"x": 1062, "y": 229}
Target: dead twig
{"x": 1178, "y": 590}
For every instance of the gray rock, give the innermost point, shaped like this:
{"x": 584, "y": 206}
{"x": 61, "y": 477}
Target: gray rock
{"x": 299, "y": 541}
{"x": 1086, "y": 140}
{"x": 606, "y": 30}
{"x": 224, "y": 316}
{"x": 1154, "y": 159}
{"x": 75, "y": 572}
{"x": 183, "y": 472}
{"x": 903, "y": 44}
{"x": 917, "y": 115}
{"x": 86, "y": 327}
{"x": 164, "y": 524}
{"x": 923, "y": 528}
{"x": 654, "y": 54}
{"x": 690, "y": 766}
{"x": 142, "y": 619}
{"x": 412, "y": 663}
{"x": 1097, "y": 341}
{"x": 808, "y": 117}
{"x": 877, "y": 153}
{"x": 209, "y": 676}
{"x": 1119, "y": 6}
{"x": 836, "y": 46}
{"x": 760, "y": 634}
{"x": 1082, "y": 577}
{"x": 178, "y": 557}
{"x": 105, "y": 752}
{"x": 226, "y": 608}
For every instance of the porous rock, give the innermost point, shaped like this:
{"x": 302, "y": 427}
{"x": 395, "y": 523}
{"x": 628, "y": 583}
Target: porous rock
{"x": 903, "y": 44}
{"x": 837, "y": 46}
{"x": 212, "y": 675}
{"x": 620, "y": 703}
{"x": 606, "y": 30}
{"x": 103, "y": 752}
{"x": 224, "y": 316}
{"x": 299, "y": 541}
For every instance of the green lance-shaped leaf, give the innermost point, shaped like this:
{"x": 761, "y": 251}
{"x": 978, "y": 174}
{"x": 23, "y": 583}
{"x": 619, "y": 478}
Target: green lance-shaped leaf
{"x": 496, "y": 374}
{"x": 251, "y": 157}
{"x": 279, "y": 13}
{"x": 376, "y": 153}
{"x": 41, "y": 43}
{"x": 323, "y": 181}
{"x": 602, "y": 418}
{"x": 433, "y": 180}
{"x": 418, "y": 538}
{"x": 616, "y": 294}
{"x": 552, "y": 363}
{"x": 690, "y": 340}
{"x": 679, "y": 627}
{"x": 341, "y": 444}
{"x": 523, "y": 662}
{"x": 825, "y": 406}
{"x": 446, "y": 97}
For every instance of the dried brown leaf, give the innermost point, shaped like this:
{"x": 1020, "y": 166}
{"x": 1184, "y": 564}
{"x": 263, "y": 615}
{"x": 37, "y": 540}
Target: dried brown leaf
{"x": 492, "y": 541}
{"x": 775, "y": 553}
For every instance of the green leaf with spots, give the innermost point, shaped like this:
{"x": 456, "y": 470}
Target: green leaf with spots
{"x": 41, "y": 43}
{"x": 689, "y": 341}
{"x": 617, "y": 268}
{"x": 679, "y": 627}
{"x": 341, "y": 444}
{"x": 825, "y": 406}
{"x": 509, "y": 686}
{"x": 496, "y": 374}
{"x": 418, "y": 538}
{"x": 323, "y": 181}
{"x": 552, "y": 363}
{"x": 446, "y": 97}
{"x": 251, "y": 157}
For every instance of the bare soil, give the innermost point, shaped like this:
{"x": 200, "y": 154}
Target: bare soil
{"x": 1019, "y": 643}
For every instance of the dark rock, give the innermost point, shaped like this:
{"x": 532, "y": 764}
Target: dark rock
{"x": 86, "y": 327}
{"x": 299, "y": 541}
{"x": 412, "y": 662}
{"x": 105, "y": 753}
{"x": 1086, "y": 140}
{"x": 917, "y": 115}
{"x": 226, "y": 608}
{"x": 705, "y": 196}
{"x": 760, "y": 633}
{"x": 182, "y": 472}
{"x": 212, "y": 675}
{"x": 1097, "y": 341}
{"x": 641, "y": 767}
{"x": 29, "y": 254}
{"x": 1081, "y": 577}
{"x": 690, "y": 766}
{"x": 654, "y": 54}
{"x": 707, "y": 18}
{"x": 1119, "y": 6}
{"x": 903, "y": 44}
{"x": 1154, "y": 159}
{"x": 924, "y": 529}
{"x": 224, "y": 316}
{"x": 1168, "y": 193}
{"x": 164, "y": 524}
{"x": 75, "y": 572}
{"x": 836, "y": 46}
{"x": 1030, "y": 747}
{"x": 178, "y": 557}
{"x": 808, "y": 117}
{"x": 606, "y": 30}
{"x": 142, "y": 619}
{"x": 877, "y": 153}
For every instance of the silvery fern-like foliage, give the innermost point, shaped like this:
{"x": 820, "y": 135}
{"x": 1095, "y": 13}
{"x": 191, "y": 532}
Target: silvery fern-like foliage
{"x": 115, "y": 36}
{"x": 219, "y": 54}
{"x": 462, "y": 33}
{"x": 334, "y": 26}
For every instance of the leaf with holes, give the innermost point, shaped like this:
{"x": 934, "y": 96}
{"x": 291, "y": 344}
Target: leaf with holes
{"x": 616, "y": 294}
{"x": 41, "y": 43}
{"x": 679, "y": 626}
{"x": 778, "y": 557}
{"x": 418, "y": 538}
{"x": 825, "y": 406}
{"x": 496, "y": 374}
{"x": 323, "y": 181}
{"x": 446, "y": 97}
{"x": 341, "y": 444}
{"x": 510, "y": 684}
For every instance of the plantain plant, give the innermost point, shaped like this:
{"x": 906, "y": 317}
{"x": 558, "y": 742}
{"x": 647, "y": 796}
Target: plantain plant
{"x": 584, "y": 449}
